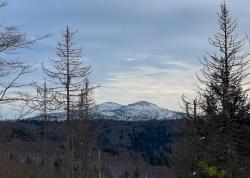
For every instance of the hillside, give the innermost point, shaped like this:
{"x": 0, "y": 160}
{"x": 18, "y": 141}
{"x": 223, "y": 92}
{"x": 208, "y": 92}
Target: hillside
{"x": 146, "y": 143}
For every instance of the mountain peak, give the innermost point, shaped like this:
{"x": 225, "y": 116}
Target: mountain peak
{"x": 143, "y": 103}
{"x": 141, "y": 110}
{"x": 138, "y": 111}
{"x": 107, "y": 106}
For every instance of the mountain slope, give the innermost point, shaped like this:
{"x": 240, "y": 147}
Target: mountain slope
{"x": 108, "y": 106}
{"x": 141, "y": 110}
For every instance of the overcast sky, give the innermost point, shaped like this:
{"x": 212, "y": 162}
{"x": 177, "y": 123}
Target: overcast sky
{"x": 139, "y": 49}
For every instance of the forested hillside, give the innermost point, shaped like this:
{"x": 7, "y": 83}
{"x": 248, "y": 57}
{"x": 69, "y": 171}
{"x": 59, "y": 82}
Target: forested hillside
{"x": 126, "y": 147}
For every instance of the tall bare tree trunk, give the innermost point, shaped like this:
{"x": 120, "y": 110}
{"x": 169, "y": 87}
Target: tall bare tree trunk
{"x": 99, "y": 164}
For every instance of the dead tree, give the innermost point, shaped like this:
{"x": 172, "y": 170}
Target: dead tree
{"x": 86, "y": 131}
{"x": 86, "y": 100}
{"x": 188, "y": 148}
{"x": 68, "y": 77}
{"x": 11, "y": 40}
{"x": 11, "y": 70}
{"x": 69, "y": 72}
{"x": 41, "y": 103}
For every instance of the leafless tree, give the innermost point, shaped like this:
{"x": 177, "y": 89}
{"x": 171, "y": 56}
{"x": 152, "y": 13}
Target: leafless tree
{"x": 188, "y": 149}
{"x": 68, "y": 77}
{"x": 86, "y": 100}
{"x": 86, "y": 132}
{"x": 11, "y": 70}
{"x": 41, "y": 103}
{"x": 69, "y": 72}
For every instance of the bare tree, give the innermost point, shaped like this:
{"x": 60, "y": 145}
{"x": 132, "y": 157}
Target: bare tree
{"x": 86, "y": 133}
{"x": 68, "y": 78}
{"x": 69, "y": 72}
{"x": 12, "y": 70}
{"x": 41, "y": 103}
{"x": 188, "y": 149}
{"x": 86, "y": 100}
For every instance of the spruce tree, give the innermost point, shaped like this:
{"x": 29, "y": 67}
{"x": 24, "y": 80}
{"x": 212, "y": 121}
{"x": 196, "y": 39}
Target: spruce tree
{"x": 223, "y": 100}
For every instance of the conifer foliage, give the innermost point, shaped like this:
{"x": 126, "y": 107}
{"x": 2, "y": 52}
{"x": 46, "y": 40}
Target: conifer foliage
{"x": 223, "y": 103}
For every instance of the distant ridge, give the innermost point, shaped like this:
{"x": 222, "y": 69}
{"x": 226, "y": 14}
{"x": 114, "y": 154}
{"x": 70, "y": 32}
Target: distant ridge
{"x": 141, "y": 110}
{"x": 138, "y": 111}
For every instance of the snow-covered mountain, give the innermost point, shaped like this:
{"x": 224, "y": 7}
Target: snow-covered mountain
{"x": 141, "y": 110}
{"x": 108, "y": 106}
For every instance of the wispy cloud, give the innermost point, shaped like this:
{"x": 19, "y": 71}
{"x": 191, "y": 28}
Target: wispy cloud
{"x": 163, "y": 86}
{"x": 135, "y": 39}
{"x": 129, "y": 59}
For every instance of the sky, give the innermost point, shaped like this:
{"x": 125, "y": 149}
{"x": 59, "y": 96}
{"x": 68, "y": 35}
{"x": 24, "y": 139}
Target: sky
{"x": 138, "y": 49}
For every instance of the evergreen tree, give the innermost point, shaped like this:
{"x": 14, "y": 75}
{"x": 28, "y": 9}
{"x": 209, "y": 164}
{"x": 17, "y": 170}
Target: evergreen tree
{"x": 224, "y": 104}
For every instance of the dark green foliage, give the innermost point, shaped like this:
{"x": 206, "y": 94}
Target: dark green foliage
{"x": 222, "y": 138}
{"x": 224, "y": 101}
{"x": 151, "y": 140}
